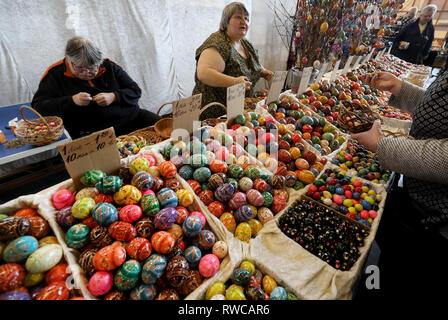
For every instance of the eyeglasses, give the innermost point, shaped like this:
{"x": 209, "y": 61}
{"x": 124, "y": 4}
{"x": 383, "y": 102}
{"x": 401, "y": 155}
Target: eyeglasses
{"x": 93, "y": 69}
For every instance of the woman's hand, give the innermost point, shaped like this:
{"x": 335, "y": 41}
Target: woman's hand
{"x": 267, "y": 74}
{"x": 383, "y": 81}
{"x": 370, "y": 138}
{"x": 105, "y": 98}
{"x": 82, "y": 99}
{"x": 245, "y": 80}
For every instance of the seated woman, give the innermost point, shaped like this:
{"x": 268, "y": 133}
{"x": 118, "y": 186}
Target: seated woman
{"x": 90, "y": 93}
{"x": 226, "y": 58}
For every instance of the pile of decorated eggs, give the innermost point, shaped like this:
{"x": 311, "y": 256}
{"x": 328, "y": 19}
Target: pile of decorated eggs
{"x": 39, "y": 128}
{"x": 31, "y": 260}
{"x": 356, "y": 158}
{"x": 324, "y": 233}
{"x": 348, "y": 195}
{"x": 148, "y": 242}
{"x": 248, "y": 283}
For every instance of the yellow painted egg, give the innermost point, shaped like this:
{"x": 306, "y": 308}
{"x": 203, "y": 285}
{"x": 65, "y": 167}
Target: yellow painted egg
{"x": 235, "y": 292}
{"x": 243, "y": 232}
{"x": 246, "y": 264}
{"x": 217, "y": 288}
{"x": 269, "y": 284}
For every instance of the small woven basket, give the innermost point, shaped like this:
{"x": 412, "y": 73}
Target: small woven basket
{"x": 164, "y": 126}
{"x": 39, "y": 138}
{"x": 356, "y": 117}
{"x": 213, "y": 121}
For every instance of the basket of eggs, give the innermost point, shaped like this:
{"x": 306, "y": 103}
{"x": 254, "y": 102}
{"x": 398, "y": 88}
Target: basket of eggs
{"x": 356, "y": 117}
{"x": 41, "y": 131}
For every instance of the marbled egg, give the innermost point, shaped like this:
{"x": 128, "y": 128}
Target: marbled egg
{"x": 228, "y": 220}
{"x": 65, "y": 217}
{"x": 88, "y": 192}
{"x": 99, "y": 237}
{"x": 205, "y": 240}
{"x": 86, "y": 261}
{"x": 122, "y": 231}
{"x": 209, "y": 265}
{"x": 177, "y": 270}
{"x": 143, "y": 292}
{"x": 104, "y": 214}
{"x": 127, "y": 194}
{"x": 167, "y": 169}
{"x": 192, "y": 226}
{"x": 220, "y": 249}
{"x": 109, "y": 184}
{"x": 54, "y": 291}
{"x": 217, "y": 287}
{"x": 241, "y": 276}
{"x": 92, "y": 177}
{"x": 265, "y": 215}
{"x": 44, "y": 258}
{"x": 63, "y": 198}
{"x": 12, "y": 276}
{"x": 278, "y": 293}
{"x": 139, "y": 164}
{"x": 17, "y": 294}
{"x": 150, "y": 205}
{"x": 142, "y": 180}
{"x": 243, "y": 232}
{"x": 13, "y": 227}
{"x": 100, "y": 283}
{"x": 139, "y": 249}
{"x": 153, "y": 268}
{"x": 130, "y": 213}
{"x": 145, "y": 227}
{"x": 167, "y": 198}
{"x": 109, "y": 258}
{"x": 224, "y": 192}
{"x": 82, "y": 208}
{"x": 19, "y": 249}
{"x": 185, "y": 197}
{"x": 165, "y": 218}
{"x": 193, "y": 255}
{"x": 128, "y": 275}
{"x": 39, "y": 227}
{"x": 244, "y": 214}
{"x": 162, "y": 242}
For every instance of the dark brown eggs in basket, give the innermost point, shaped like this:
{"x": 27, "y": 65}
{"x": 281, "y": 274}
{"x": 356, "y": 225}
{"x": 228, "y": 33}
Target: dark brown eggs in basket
{"x": 356, "y": 117}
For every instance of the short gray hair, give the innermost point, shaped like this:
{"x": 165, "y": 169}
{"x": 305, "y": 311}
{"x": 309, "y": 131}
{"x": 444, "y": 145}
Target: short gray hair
{"x": 413, "y": 9}
{"x": 228, "y": 12}
{"x": 430, "y": 7}
{"x": 83, "y": 52}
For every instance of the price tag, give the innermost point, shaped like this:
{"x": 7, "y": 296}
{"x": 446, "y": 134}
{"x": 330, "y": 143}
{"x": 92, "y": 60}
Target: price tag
{"x": 322, "y": 70}
{"x": 369, "y": 56}
{"x": 278, "y": 81}
{"x": 186, "y": 111}
{"x": 306, "y": 75}
{"x": 380, "y": 54}
{"x": 347, "y": 65}
{"x": 388, "y": 51}
{"x": 358, "y": 59}
{"x": 335, "y": 71}
{"x": 97, "y": 151}
{"x": 235, "y": 100}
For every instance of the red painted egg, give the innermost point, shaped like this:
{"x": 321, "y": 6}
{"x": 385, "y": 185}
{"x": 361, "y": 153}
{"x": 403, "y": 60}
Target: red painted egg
{"x": 139, "y": 249}
{"x": 90, "y": 222}
{"x": 26, "y": 213}
{"x": 59, "y": 272}
{"x": 109, "y": 258}
{"x": 122, "y": 231}
{"x": 12, "y": 276}
{"x": 167, "y": 169}
{"x": 101, "y": 197}
{"x": 216, "y": 208}
{"x": 54, "y": 291}
{"x": 163, "y": 242}
{"x": 206, "y": 196}
{"x": 39, "y": 227}
{"x": 196, "y": 186}
{"x": 182, "y": 214}
{"x": 218, "y": 166}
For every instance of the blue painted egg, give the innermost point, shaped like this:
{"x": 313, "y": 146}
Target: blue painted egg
{"x": 109, "y": 184}
{"x": 150, "y": 205}
{"x": 192, "y": 226}
{"x": 104, "y": 214}
{"x": 340, "y": 191}
{"x": 279, "y": 293}
{"x": 186, "y": 172}
{"x": 366, "y": 205}
{"x": 193, "y": 255}
{"x": 153, "y": 268}
{"x": 65, "y": 217}
{"x": 167, "y": 198}
{"x": 244, "y": 214}
{"x": 143, "y": 292}
{"x": 224, "y": 192}
{"x": 202, "y": 174}
{"x": 165, "y": 218}
{"x": 77, "y": 236}
{"x": 19, "y": 249}
{"x": 17, "y": 294}
{"x": 142, "y": 180}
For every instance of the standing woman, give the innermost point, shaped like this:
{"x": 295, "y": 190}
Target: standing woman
{"x": 414, "y": 40}
{"x": 226, "y": 58}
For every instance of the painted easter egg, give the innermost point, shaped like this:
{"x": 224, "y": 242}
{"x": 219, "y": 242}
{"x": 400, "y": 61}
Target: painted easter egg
{"x": 241, "y": 276}
{"x": 177, "y": 271}
{"x": 88, "y": 192}
{"x": 104, "y": 214}
{"x": 244, "y": 214}
{"x": 158, "y": 184}
{"x": 253, "y": 172}
{"x": 39, "y": 227}
{"x": 65, "y": 217}
{"x": 165, "y": 218}
{"x": 192, "y": 226}
{"x": 235, "y": 171}
{"x": 220, "y": 249}
{"x": 218, "y": 166}
{"x": 279, "y": 203}
{"x": 167, "y": 198}
{"x": 139, "y": 249}
{"x": 82, "y": 208}
{"x": 17, "y": 294}
{"x": 278, "y": 293}
{"x": 186, "y": 172}
{"x": 193, "y": 255}
{"x": 182, "y": 214}
{"x": 254, "y": 197}
{"x": 100, "y": 283}
{"x": 153, "y": 268}
{"x": 162, "y": 242}
{"x": 238, "y": 200}
{"x": 122, "y": 231}
{"x": 92, "y": 177}
{"x": 154, "y": 172}
{"x": 54, "y": 291}
{"x": 209, "y": 265}
{"x": 255, "y": 226}
{"x": 44, "y": 258}
{"x": 248, "y": 265}
{"x": 139, "y": 164}
{"x": 12, "y": 276}
{"x": 115, "y": 295}
{"x": 206, "y": 196}
{"x": 25, "y": 213}
{"x": 99, "y": 237}
{"x": 150, "y": 205}
{"x": 228, "y": 220}
{"x": 216, "y": 180}
{"x": 128, "y": 275}
{"x": 202, "y": 174}
{"x": 191, "y": 283}
{"x": 13, "y": 227}
{"x": 198, "y": 161}
{"x": 145, "y": 227}
{"x": 142, "y": 180}
{"x": 196, "y": 186}
{"x": 167, "y": 169}
{"x": 19, "y": 249}
{"x": 224, "y": 192}
{"x": 48, "y": 240}
{"x": 127, "y": 195}
{"x": 172, "y": 184}
{"x": 143, "y": 292}
{"x": 185, "y": 197}
{"x": 261, "y": 185}
{"x": 86, "y": 261}
{"x": 265, "y": 215}
{"x": 243, "y": 232}
{"x": 168, "y": 294}
{"x": 216, "y": 288}
{"x": 245, "y": 184}
{"x": 59, "y": 272}
{"x": 63, "y": 198}
{"x": 33, "y": 279}
{"x": 130, "y": 213}
{"x": 109, "y": 258}
{"x": 268, "y": 198}
{"x": 269, "y": 284}
{"x": 205, "y": 240}
{"x": 235, "y": 292}
{"x": 176, "y": 231}
{"x": 109, "y": 184}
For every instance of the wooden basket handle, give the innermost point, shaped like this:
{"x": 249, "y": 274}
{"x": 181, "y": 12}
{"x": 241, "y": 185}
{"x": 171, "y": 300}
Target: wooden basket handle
{"x": 158, "y": 111}
{"x": 40, "y": 116}
{"x": 223, "y": 107}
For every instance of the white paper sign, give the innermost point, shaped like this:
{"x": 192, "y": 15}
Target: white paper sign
{"x": 335, "y": 71}
{"x": 379, "y": 55}
{"x": 358, "y": 59}
{"x": 369, "y": 56}
{"x": 388, "y": 51}
{"x": 347, "y": 64}
{"x": 235, "y": 100}
{"x": 306, "y": 75}
{"x": 185, "y": 111}
{"x": 322, "y": 70}
{"x": 278, "y": 80}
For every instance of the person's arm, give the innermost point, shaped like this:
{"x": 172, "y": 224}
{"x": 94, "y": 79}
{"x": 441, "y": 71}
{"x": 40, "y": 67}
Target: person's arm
{"x": 420, "y": 159}
{"x": 266, "y": 74}
{"x": 407, "y": 97}
{"x": 129, "y": 92}
{"x": 210, "y": 70}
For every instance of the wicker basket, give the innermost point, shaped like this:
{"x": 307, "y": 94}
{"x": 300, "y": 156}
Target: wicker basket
{"x": 39, "y": 138}
{"x": 164, "y": 126}
{"x": 213, "y": 121}
{"x": 149, "y": 134}
{"x": 356, "y": 117}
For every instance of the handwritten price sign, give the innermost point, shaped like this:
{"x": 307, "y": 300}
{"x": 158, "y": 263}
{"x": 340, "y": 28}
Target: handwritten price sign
{"x": 185, "y": 111}
{"x": 235, "y": 100}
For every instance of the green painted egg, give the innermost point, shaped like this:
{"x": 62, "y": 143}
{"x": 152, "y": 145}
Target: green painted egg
{"x": 241, "y": 276}
{"x": 111, "y": 184}
{"x": 253, "y": 173}
{"x": 150, "y": 205}
{"x": 268, "y": 199}
{"x": 235, "y": 292}
{"x": 128, "y": 275}
{"x": 77, "y": 236}
{"x": 235, "y": 171}
{"x": 92, "y": 177}
{"x": 82, "y": 208}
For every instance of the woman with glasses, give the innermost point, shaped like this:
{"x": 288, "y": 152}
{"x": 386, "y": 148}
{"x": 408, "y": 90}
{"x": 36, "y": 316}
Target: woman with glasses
{"x": 90, "y": 93}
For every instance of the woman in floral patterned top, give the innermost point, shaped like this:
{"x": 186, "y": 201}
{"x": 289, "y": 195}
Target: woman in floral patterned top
{"x": 226, "y": 58}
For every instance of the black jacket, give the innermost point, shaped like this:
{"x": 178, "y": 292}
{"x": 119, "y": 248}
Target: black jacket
{"x": 419, "y": 43}
{"x": 58, "y": 85}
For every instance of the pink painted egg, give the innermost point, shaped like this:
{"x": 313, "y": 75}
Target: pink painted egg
{"x": 63, "y": 198}
{"x": 255, "y": 197}
{"x": 209, "y": 265}
{"x": 144, "y": 193}
{"x": 200, "y": 216}
{"x": 130, "y": 213}
{"x": 238, "y": 200}
{"x": 100, "y": 283}
{"x": 150, "y": 158}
